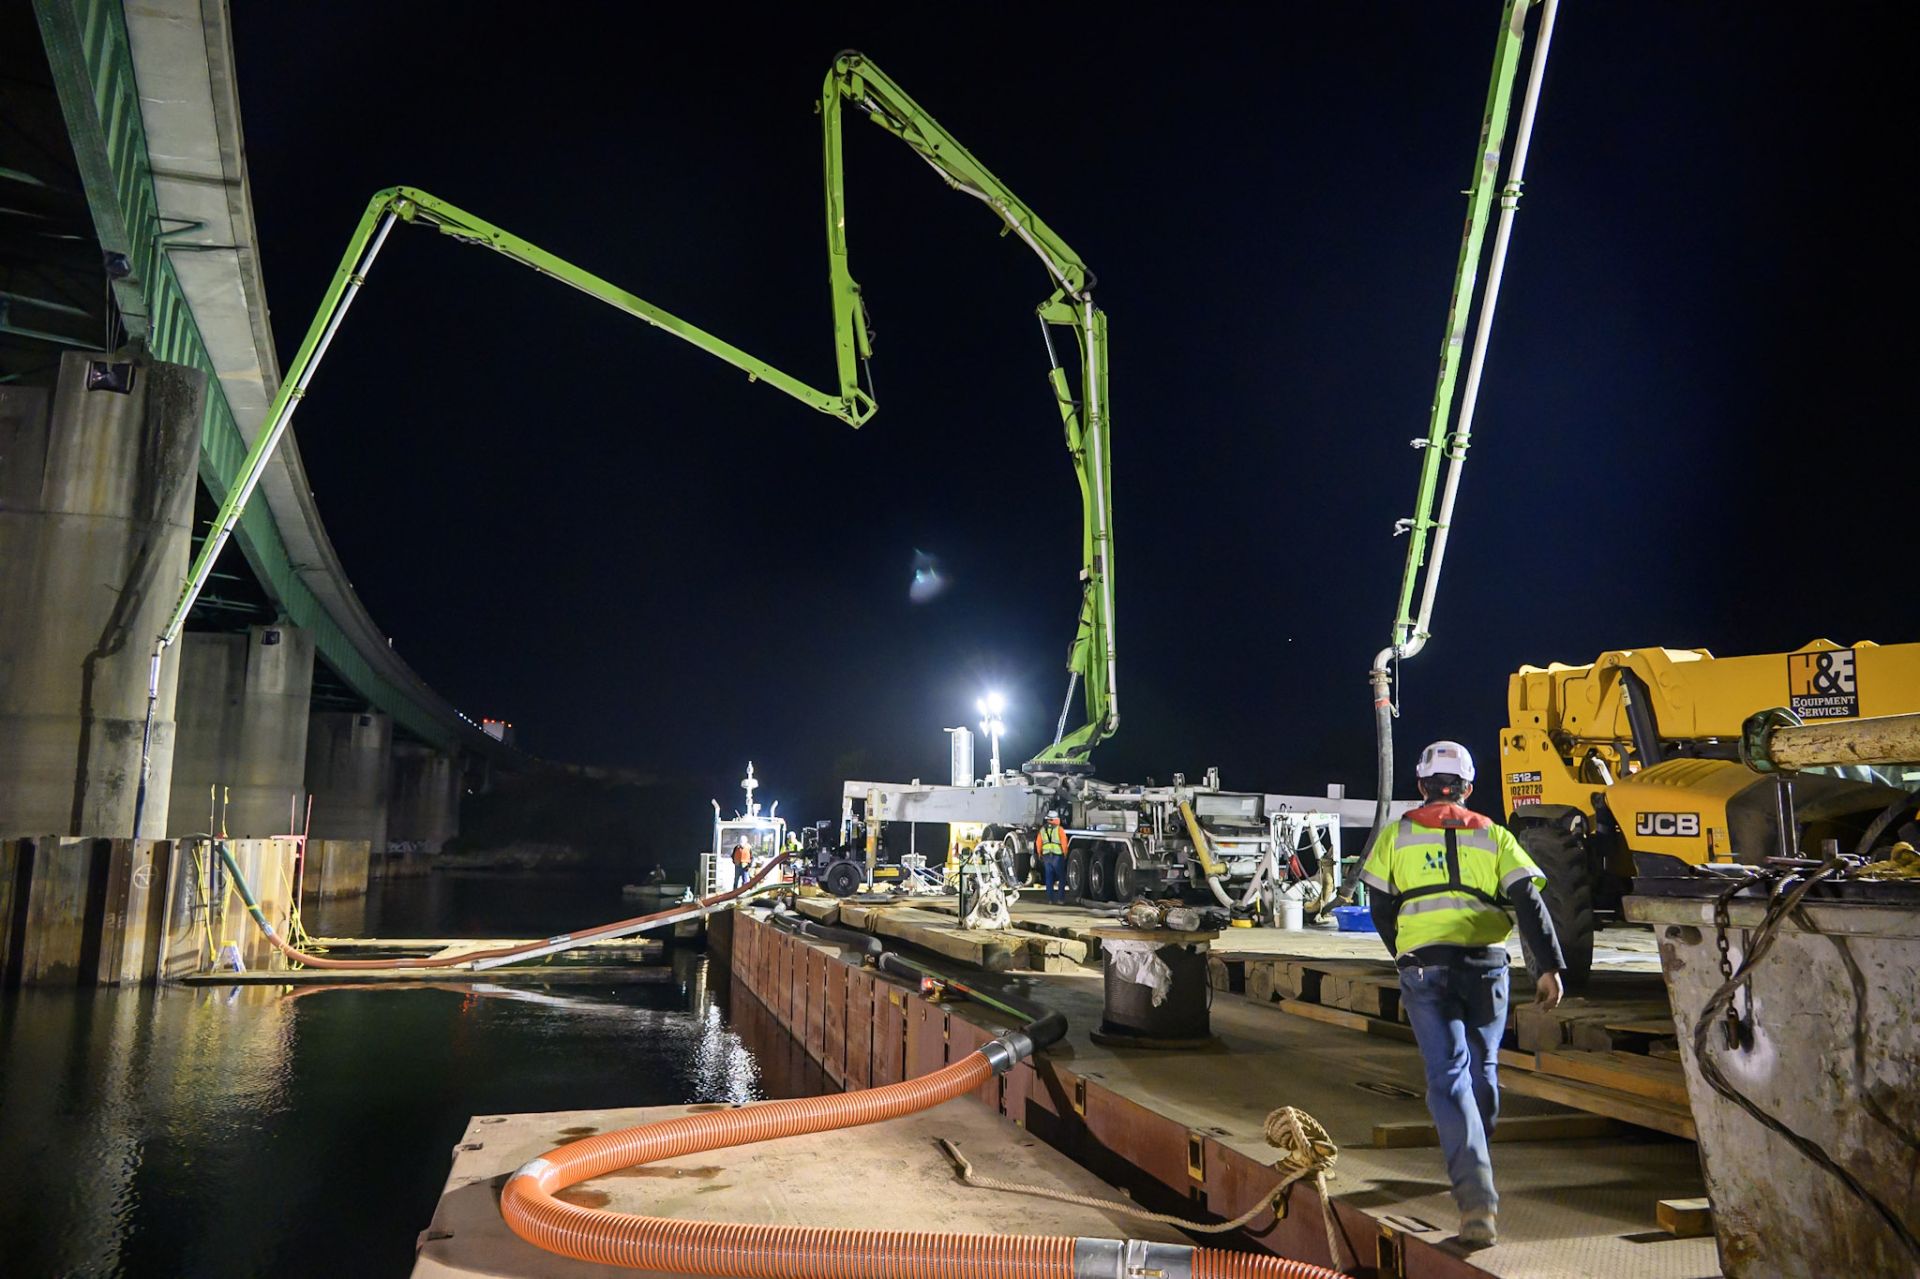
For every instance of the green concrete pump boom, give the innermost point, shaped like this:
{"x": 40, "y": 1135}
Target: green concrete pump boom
{"x": 1091, "y": 659}
{"x": 1447, "y": 435}
{"x": 853, "y": 79}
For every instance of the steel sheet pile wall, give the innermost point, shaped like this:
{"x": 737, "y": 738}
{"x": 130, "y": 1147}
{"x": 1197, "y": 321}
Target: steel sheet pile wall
{"x": 866, "y": 1029}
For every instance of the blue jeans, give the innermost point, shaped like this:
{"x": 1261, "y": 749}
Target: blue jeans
{"x": 1053, "y": 866}
{"x": 1458, "y": 1013}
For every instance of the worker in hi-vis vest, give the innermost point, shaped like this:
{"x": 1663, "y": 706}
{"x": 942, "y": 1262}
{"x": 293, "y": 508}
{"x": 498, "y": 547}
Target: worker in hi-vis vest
{"x": 1442, "y": 881}
{"x": 1051, "y": 844}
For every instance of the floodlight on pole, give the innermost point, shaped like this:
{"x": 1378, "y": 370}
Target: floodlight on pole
{"x": 990, "y": 708}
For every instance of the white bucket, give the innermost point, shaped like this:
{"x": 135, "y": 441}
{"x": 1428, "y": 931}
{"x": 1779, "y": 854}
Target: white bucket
{"x": 1287, "y": 910}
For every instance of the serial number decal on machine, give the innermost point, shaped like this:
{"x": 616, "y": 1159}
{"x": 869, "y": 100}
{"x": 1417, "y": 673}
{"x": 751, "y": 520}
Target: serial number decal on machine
{"x": 1678, "y": 825}
{"x": 1524, "y": 788}
{"x": 1823, "y": 685}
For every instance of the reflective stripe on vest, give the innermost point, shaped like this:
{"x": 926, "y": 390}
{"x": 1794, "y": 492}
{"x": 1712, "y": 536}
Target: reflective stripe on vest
{"x": 1461, "y": 904}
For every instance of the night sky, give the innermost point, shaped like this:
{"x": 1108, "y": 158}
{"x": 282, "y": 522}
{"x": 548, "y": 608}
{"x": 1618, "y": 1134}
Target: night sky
{"x": 1692, "y": 430}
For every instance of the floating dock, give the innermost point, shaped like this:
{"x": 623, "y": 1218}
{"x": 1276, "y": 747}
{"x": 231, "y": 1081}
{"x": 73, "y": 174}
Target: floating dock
{"x": 890, "y": 1175}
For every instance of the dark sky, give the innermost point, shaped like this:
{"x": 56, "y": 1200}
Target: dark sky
{"x": 1692, "y": 433}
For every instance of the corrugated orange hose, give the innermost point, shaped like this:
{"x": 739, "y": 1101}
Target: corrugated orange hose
{"x": 467, "y": 958}
{"x": 805, "y": 1252}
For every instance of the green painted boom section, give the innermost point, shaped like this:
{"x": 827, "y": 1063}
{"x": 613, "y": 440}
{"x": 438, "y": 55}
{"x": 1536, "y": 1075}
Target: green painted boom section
{"x": 1486, "y": 177}
{"x": 87, "y": 45}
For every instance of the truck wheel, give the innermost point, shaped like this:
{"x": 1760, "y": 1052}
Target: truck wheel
{"x": 843, "y": 879}
{"x": 1126, "y": 880}
{"x": 1076, "y": 874}
{"x": 1022, "y": 868}
{"x": 1100, "y": 875}
{"x": 1561, "y": 853}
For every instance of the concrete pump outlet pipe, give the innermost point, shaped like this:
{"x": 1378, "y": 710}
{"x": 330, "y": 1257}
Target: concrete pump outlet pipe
{"x": 528, "y": 1204}
{"x": 498, "y": 955}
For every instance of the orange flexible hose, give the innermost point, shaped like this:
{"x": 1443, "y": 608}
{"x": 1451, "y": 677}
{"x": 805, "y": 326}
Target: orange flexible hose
{"x": 467, "y": 958}
{"x": 798, "y": 1252}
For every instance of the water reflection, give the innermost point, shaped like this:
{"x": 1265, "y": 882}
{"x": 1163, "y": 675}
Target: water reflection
{"x": 233, "y": 1131}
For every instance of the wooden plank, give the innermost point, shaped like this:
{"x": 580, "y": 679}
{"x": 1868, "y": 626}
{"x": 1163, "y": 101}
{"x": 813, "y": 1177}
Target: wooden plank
{"x": 1685, "y": 1218}
{"x": 1349, "y": 1020}
{"x": 1260, "y": 981}
{"x": 553, "y": 975}
{"x": 821, "y": 910}
{"x": 1649, "y": 1077}
{"x": 1655, "y": 1027}
{"x": 1567, "y": 1127}
{"x": 1227, "y": 974}
{"x": 1368, "y": 993}
{"x": 1639, "y": 1111}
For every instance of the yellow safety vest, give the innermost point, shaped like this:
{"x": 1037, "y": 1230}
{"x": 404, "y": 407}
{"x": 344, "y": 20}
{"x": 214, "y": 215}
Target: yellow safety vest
{"x": 1053, "y": 841}
{"x": 1450, "y": 884}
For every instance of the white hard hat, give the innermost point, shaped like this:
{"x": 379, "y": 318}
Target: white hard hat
{"x": 1449, "y": 759}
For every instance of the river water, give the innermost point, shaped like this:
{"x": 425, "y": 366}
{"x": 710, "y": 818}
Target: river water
{"x": 248, "y": 1131}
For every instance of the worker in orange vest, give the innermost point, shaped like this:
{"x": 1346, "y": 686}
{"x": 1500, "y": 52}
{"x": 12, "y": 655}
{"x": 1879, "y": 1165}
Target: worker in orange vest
{"x": 1051, "y": 844}
{"x": 742, "y": 858}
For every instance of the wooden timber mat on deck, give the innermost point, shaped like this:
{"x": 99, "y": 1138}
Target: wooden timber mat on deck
{"x": 1611, "y": 1052}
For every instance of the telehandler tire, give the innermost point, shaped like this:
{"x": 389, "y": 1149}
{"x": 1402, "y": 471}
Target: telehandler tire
{"x": 1561, "y": 853}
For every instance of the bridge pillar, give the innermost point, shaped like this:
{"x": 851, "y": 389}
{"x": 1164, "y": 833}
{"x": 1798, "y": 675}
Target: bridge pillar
{"x": 423, "y": 812}
{"x": 96, "y": 503}
{"x": 349, "y": 764}
{"x": 242, "y": 726}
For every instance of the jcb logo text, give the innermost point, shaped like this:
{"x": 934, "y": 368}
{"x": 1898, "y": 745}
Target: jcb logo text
{"x": 1669, "y": 824}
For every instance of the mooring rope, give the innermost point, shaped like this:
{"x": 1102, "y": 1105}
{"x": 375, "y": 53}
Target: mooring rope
{"x": 1306, "y": 1151}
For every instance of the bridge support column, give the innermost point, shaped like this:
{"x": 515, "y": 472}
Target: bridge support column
{"x": 242, "y": 727}
{"x": 96, "y": 503}
{"x": 423, "y": 811}
{"x": 349, "y": 762}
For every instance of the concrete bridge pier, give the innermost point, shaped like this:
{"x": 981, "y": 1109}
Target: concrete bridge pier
{"x": 423, "y": 808}
{"x": 96, "y": 503}
{"x": 349, "y": 773}
{"x": 242, "y": 728}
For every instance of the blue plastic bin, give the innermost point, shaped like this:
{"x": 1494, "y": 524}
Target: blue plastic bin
{"x": 1353, "y": 919}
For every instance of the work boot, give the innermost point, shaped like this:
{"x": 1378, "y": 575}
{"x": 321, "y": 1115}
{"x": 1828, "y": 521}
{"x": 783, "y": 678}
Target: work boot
{"x": 1477, "y": 1229}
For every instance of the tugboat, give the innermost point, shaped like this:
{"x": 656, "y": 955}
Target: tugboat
{"x": 764, "y": 835}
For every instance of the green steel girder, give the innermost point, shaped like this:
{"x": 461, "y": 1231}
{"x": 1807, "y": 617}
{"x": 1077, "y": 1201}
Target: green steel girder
{"x": 92, "y": 64}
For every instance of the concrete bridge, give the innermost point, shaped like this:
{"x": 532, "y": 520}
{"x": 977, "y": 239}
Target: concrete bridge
{"x": 136, "y": 365}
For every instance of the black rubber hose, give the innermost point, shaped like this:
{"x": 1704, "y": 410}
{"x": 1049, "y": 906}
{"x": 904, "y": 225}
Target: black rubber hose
{"x": 847, "y": 937}
{"x": 1044, "y": 1026}
{"x": 1879, "y": 825}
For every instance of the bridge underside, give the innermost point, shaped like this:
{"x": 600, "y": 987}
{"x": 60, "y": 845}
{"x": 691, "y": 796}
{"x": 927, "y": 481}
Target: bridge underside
{"x": 136, "y": 364}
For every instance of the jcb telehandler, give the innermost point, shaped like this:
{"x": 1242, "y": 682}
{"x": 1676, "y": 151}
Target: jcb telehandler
{"x": 1642, "y": 751}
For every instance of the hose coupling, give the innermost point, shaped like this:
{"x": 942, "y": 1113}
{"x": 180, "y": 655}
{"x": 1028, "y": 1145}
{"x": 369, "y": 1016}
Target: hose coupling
{"x": 1131, "y": 1259}
{"x": 1008, "y": 1051}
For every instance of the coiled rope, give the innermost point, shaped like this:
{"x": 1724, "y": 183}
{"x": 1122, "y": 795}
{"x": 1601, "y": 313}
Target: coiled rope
{"x": 1305, "y": 1151}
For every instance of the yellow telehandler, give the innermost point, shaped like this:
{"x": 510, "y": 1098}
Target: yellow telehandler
{"x": 1654, "y": 750}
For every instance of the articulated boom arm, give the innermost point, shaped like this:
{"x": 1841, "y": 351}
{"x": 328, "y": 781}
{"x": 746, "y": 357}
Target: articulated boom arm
{"x": 1091, "y": 660}
{"x": 855, "y": 79}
